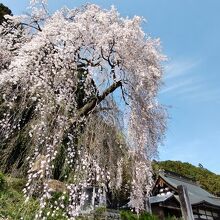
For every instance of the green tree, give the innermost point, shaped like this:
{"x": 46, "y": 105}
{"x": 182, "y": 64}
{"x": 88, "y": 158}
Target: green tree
{"x": 4, "y": 10}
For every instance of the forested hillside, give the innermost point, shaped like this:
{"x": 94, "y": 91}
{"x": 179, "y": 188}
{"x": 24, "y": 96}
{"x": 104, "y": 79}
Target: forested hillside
{"x": 207, "y": 179}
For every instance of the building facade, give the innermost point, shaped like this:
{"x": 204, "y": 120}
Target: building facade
{"x": 166, "y": 201}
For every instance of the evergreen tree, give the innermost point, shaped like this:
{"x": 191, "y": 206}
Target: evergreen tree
{"x": 4, "y": 10}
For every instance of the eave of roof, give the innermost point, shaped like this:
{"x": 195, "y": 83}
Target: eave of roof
{"x": 160, "y": 198}
{"x": 197, "y": 195}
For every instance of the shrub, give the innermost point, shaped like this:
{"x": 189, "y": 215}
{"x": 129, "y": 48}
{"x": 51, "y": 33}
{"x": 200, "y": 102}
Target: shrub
{"x": 128, "y": 215}
{"x": 2, "y": 181}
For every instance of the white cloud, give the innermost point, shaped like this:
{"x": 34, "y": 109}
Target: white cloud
{"x": 183, "y": 80}
{"x": 206, "y": 95}
{"x": 176, "y": 86}
{"x": 178, "y": 79}
{"x": 179, "y": 68}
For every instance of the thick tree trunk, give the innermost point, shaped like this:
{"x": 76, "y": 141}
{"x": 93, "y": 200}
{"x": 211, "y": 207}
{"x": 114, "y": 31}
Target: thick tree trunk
{"x": 95, "y": 101}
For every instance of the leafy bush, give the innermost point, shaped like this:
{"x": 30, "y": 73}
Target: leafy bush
{"x": 100, "y": 210}
{"x": 16, "y": 183}
{"x": 147, "y": 216}
{"x": 12, "y": 205}
{"x": 128, "y": 215}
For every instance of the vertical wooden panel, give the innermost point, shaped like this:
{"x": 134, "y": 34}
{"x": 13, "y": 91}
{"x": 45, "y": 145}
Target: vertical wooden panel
{"x": 186, "y": 207}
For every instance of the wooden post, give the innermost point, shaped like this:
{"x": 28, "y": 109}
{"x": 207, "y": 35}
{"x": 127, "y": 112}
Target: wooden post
{"x": 148, "y": 205}
{"x": 93, "y": 197}
{"x": 186, "y": 207}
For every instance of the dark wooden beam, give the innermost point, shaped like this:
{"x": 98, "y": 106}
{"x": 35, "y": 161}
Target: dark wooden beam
{"x": 169, "y": 207}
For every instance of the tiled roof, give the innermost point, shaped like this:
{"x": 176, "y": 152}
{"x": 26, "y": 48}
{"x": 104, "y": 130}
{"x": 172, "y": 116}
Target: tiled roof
{"x": 196, "y": 193}
{"x": 160, "y": 198}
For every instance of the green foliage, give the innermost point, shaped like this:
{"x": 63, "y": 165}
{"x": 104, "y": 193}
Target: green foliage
{"x": 147, "y": 216}
{"x": 3, "y": 11}
{"x": 16, "y": 183}
{"x": 100, "y": 210}
{"x": 2, "y": 181}
{"x": 128, "y": 215}
{"x": 12, "y": 205}
{"x": 12, "y": 201}
{"x": 208, "y": 180}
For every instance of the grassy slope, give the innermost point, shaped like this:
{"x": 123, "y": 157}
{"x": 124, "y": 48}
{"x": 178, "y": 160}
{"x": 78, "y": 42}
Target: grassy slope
{"x": 12, "y": 204}
{"x": 12, "y": 201}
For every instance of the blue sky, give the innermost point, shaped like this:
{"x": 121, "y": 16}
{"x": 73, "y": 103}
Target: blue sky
{"x": 189, "y": 32}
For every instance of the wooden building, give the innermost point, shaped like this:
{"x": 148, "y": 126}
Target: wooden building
{"x": 166, "y": 199}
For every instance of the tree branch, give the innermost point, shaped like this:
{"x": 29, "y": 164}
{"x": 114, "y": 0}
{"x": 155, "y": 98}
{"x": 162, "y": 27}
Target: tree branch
{"x": 95, "y": 101}
{"x": 31, "y": 26}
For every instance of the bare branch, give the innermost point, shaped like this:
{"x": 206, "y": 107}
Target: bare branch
{"x": 29, "y": 25}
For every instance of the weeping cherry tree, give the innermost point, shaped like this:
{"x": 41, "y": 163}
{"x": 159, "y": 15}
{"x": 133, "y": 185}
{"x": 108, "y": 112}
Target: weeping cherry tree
{"x": 81, "y": 83}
